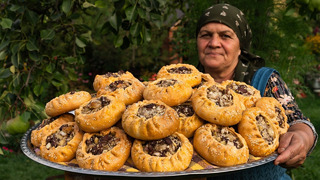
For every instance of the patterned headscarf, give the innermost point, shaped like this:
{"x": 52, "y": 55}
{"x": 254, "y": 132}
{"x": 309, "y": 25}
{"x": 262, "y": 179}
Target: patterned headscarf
{"x": 234, "y": 18}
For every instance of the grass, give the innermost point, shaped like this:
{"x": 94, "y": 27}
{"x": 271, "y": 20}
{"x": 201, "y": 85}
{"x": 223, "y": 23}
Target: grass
{"x": 17, "y": 166}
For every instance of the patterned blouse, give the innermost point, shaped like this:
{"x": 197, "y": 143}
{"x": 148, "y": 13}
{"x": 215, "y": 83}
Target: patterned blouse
{"x": 278, "y": 89}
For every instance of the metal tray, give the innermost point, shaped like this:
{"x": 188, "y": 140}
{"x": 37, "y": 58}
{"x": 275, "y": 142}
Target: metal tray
{"x": 27, "y": 149}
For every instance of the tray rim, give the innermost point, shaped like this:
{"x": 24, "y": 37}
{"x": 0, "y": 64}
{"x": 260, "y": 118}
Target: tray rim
{"x": 204, "y": 172}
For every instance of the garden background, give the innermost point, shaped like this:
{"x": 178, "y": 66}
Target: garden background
{"x": 50, "y": 47}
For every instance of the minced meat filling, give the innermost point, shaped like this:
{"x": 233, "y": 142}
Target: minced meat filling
{"x": 150, "y": 110}
{"x": 166, "y": 83}
{"x": 162, "y": 148}
{"x": 221, "y": 97}
{"x": 97, "y": 144}
{"x": 61, "y": 137}
{"x": 46, "y": 122}
{"x": 117, "y": 85}
{"x": 116, "y": 74}
{"x": 265, "y": 130}
{"x": 184, "y": 110}
{"x": 224, "y": 136}
{"x": 241, "y": 89}
{"x": 95, "y": 105}
{"x": 180, "y": 70}
{"x": 279, "y": 117}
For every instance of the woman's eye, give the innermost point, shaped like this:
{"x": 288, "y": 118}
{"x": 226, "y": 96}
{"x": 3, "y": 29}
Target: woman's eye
{"x": 225, "y": 36}
{"x": 204, "y": 35}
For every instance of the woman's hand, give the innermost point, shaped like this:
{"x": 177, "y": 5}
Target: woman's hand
{"x": 294, "y": 146}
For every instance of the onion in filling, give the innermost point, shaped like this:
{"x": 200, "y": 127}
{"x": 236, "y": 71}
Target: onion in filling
{"x": 221, "y": 97}
{"x": 61, "y": 137}
{"x": 97, "y": 143}
{"x": 95, "y": 105}
{"x": 151, "y": 110}
{"x": 163, "y": 147}
{"x": 180, "y": 70}
{"x": 224, "y": 136}
{"x": 265, "y": 129}
{"x": 166, "y": 83}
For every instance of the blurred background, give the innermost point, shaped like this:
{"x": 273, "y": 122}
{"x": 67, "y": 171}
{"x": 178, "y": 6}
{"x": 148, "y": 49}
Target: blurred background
{"x": 50, "y": 47}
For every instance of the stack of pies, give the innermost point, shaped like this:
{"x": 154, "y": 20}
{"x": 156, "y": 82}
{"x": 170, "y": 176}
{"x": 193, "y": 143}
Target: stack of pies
{"x": 159, "y": 124}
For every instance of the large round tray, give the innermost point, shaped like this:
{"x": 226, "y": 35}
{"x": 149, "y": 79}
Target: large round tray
{"x": 27, "y": 149}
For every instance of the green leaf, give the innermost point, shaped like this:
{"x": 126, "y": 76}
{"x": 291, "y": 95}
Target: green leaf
{"x": 38, "y": 89}
{"x": 14, "y": 8}
{"x": 32, "y": 17}
{"x": 118, "y": 41}
{"x": 4, "y": 73}
{"x": 6, "y": 23}
{"x": 15, "y": 60}
{"x": 79, "y": 43}
{"x": 12, "y": 69}
{"x": 50, "y": 67}
{"x": 147, "y": 35}
{"x": 47, "y": 34}
{"x": 115, "y": 21}
{"x": 4, "y": 44}
{"x": 32, "y": 46}
{"x": 71, "y": 60}
{"x": 58, "y": 76}
{"x": 35, "y": 56}
{"x": 3, "y": 55}
{"x": 131, "y": 13}
{"x": 142, "y": 13}
{"x": 135, "y": 29}
{"x": 56, "y": 83}
{"x": 25, "y": 116}
{"x": 87, "y": 5}
{"x": 66, "y": 6}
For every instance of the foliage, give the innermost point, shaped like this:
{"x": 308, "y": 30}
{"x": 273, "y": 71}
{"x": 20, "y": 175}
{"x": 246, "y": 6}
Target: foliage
{"x": 46, "y": 44}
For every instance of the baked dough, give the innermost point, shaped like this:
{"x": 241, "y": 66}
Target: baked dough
{"x": 248, "y": 94}
{"x": 150, "y": 120}
{"x": 220, "y": 145}
{"x": 170, "y": 91}
{"x": 128, "y": 90}
{"x": 61, "y": 144}
{"x": 275, "y": 111}
{"x": 99, "y": 113}
{"x": 66, "y": 102}
{"x": 217, "y": 104}
{"x": 184, "y": 72}
{"x": 189, "y": 120}
{"x": 205, "y": 79}
{"x": 259, "y": 132}
{"x": 106, "y": 150}
{"x": 47, "y": 125}
{"x": 172, "y": 153}
{"x": 100, "y": 81}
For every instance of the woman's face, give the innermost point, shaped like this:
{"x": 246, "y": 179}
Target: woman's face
{"x": 218, "y": 47}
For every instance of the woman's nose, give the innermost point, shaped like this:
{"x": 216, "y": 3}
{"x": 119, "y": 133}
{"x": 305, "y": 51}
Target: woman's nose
{"x": 214, "y": 42}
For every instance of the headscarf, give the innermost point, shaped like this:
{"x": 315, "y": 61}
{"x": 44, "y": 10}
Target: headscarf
{"x": 234, "y": 18}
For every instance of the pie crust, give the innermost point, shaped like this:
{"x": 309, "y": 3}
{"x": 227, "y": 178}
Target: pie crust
{"x": 66, "y": 102}
{"x": 100, "y": 81}
{"x": 275, "y": 111}
{"x": 205, "y": 79}
{"x": 60, "y": 145}
{"x": 47, "y": 125}
{"x": 247, "y": 94}
{"x": 184, "y": 72}
{"x": 172, "y": 153}
{"x": 189, "y": 120}
{"x": 217, "y": 104}
{"x": 106, "y": 150}
{"x": 128, "y": 90}
{"x": 259, "y": 132}
{"x": 220, "y": 145}
{"x": 99, "y": 113}
{"x": 150, "y": 120}
{"x": 170, "y": 91}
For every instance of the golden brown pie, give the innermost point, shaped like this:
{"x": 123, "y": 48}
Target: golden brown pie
{"x": 106, "y": 150}
{"x": 259, "y": 132}
{"x": 100, "y": 81}
{"x": 184, "y": 72}
{"x": 61, "y": 143}
{"x": 275, "y": 111}
{"x": 170, "y": 91}
{"x": 172, "y": 153}
{"x": 189, "y": 120}
{"x": 217, "y": 104}
{"x": 205, "y": 79}
{"x": 220, "y": 145}
{"x": 66, "y": 102}
{"x": 47, "y": 125}
{"x": 248, "y": 94}
{"x": 99, "y": 113}
{"x": 150, "y": 120}
{"x": 128, "y": 90}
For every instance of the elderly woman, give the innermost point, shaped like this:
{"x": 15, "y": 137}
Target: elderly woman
{"x": 223, "y": 41}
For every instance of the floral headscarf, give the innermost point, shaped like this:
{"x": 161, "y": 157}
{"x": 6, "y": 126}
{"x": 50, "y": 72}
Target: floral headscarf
{"x": 234, "y": 18}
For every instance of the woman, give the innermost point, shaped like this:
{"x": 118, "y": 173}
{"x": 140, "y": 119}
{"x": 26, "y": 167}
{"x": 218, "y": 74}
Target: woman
{"x": 223, "y": 42}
